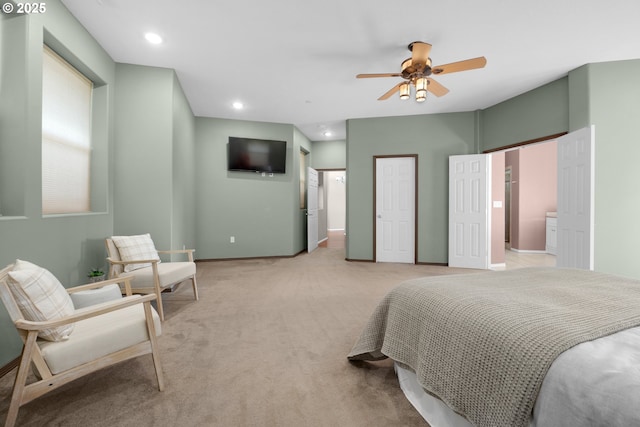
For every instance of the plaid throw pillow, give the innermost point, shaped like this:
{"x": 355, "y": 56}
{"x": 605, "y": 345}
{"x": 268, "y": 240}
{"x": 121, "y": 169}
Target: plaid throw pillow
{"x": 133, "y": 248}
{"x": 40, "y": 296}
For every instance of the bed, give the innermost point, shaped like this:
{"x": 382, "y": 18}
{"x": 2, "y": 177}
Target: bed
{"x": 517, "y": 348}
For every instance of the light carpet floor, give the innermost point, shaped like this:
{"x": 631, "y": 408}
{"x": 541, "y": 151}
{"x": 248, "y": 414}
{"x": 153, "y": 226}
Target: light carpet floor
{"x": 266, "y": 345}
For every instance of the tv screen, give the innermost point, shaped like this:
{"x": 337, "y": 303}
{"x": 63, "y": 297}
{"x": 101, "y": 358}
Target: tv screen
{"x": 256, "y": 155}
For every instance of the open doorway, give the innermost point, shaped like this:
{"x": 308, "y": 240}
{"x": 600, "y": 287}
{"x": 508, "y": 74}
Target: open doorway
{"x": 528, "y": 176}
{"x": 507, "y": 207}
{"x": 332, "y": 207}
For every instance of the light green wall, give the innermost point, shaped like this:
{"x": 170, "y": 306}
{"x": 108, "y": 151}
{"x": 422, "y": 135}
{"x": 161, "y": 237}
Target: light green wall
{"x": 256, "y": 210}
{"x": 540, "y": 112}
{"x": 614, "y": 109}
{"x": 329, "y": 154}
{"x": 13, "y": 123}
{"x": 183, "y": 231}
{"x": 155, "y": 155}
{"x": 433, "y": 138}
{"x": 144, "y": 149}
{"x": 606, "y": 95}
{"x": 167, "y": 169}
{"x": 67, "y": 245}
{"x": 579, "y": 94}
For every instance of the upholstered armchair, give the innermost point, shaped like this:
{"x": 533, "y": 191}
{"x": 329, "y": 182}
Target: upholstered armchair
{"x": 63, "y": 343}
{"x": 137, "y": 257}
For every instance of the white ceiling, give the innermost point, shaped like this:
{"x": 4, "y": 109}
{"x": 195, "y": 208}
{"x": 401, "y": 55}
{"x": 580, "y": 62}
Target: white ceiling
{"x": 295, "y": 61}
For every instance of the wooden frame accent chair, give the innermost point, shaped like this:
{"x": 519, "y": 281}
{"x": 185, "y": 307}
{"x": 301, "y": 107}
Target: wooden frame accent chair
{"x": 62, "y": 343}
{"x": 137, "y": 257}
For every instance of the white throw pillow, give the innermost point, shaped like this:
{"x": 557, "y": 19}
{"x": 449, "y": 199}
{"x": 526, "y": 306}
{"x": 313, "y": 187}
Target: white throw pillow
{"x": 132, "y": 248}
{"x": 41, "y": 297}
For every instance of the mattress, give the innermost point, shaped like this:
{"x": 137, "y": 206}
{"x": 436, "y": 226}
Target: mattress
{"x": 596, "y": 383}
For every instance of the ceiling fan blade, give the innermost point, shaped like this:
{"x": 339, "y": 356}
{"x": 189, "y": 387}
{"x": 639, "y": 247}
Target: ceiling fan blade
{"x": 454, "y": 67}
{"x": 419, "y": 52}
{"x": 366, "y": 76}
{"x": 436, "y": 88}
{"x": 391, "y": 91}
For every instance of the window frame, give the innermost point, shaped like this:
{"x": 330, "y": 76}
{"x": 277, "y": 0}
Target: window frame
{"x": 100, "y": 130}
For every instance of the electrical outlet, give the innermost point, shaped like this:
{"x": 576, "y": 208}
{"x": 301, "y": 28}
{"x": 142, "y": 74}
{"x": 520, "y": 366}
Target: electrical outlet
{"x": 232, "y": 239}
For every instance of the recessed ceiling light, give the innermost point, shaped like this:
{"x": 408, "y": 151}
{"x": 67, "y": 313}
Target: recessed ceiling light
{"x": 327, "y": 133}
{"x": 153, "y": 38}
{"x": 238, "y": 105}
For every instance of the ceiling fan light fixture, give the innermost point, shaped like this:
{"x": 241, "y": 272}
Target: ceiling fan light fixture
{"x": 421, "y": 89}
{"x": 417, "y": 70}
{"x": 405, "y": 90}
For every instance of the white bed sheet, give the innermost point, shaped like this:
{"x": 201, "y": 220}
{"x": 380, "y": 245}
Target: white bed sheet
{"x": 596, "y": 383}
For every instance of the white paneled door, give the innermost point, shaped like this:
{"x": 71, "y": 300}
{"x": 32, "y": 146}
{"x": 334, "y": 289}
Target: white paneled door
{"x": 575, "y": 248}
{"x": 469, "y": 217}
{"x": 312, "y": 209}
{"x": 395, "y": 209}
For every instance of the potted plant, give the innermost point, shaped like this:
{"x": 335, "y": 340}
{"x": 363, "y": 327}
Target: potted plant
{"x": 96, "y": 275}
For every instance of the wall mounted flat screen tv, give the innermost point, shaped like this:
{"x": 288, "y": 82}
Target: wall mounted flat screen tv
{"x": 256, "y": 155}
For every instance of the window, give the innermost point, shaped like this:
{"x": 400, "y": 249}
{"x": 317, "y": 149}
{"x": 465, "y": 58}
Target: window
{"x": 66, "y": 137}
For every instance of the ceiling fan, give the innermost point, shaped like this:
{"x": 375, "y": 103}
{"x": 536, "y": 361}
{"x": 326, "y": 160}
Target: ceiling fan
{"x": 417, "y": 70}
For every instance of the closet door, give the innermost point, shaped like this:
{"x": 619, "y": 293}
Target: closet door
{"x": 395, "y": 209}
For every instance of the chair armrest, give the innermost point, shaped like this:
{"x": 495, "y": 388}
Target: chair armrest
{"x": 100, "y": 284}
{"x": 189, "y": 252}
{"x": 85, "y": 313}
{"x": 134, "y": 261}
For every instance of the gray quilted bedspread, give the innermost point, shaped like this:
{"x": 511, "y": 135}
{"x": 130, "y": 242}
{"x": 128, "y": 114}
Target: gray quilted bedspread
{"x": 483, "y": 342}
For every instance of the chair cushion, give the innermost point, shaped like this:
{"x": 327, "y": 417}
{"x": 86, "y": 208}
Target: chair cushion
{"x": 90, "y": 297}
{"x": 99, "y": 336}
{"x": 169, "y": 272}
{"x": 40, "y": 296}
{"x": 132, "y": 248}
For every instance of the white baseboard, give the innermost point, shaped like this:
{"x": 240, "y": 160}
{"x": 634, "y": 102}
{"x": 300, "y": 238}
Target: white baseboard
{"x": 525, "y": 251}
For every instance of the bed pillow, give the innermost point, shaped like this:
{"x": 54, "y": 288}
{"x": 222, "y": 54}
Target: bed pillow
{"x": 40, "y": 297}
{"x": 132, "y": 248}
